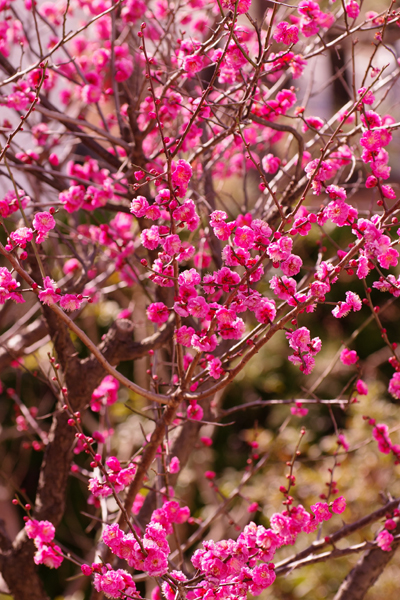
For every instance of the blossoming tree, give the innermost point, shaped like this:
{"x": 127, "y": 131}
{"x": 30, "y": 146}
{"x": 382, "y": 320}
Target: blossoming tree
{"x": 161, "y": 161}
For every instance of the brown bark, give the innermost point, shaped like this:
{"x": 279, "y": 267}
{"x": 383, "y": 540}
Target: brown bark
{"x": 81, "y": 377}
{"x": 365, "y": 574}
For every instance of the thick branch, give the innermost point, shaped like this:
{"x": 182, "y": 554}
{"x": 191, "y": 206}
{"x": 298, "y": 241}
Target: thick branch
{"x": 19, "y": 570}
{"x": 366, "y": 572}
{"x": 15, "y": 346}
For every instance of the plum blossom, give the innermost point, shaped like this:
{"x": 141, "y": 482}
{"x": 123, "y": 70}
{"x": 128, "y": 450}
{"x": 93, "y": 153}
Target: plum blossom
{"x": 50, "y": 556}
{"x": 348, "y": 357}
{"x": 384, "y": 540}
{"x": 394, "y": 385}
{"x": 158, "y": 313}
{"x": 21, "y": 236}
{"x": 361, "y": 387}
{"x": 298, "y": 409}
{"x": 214, "y": 368}
{"x": 285, "y": 33}
{"x": 184, "y": 335}
{"x": 270, "y": 163}
{"x": 339, "y": 505}
{"x": 70, "y": 302}
{"x": 150, "y": 238}
{"x": 321, "y": 511}
{"x": 381, "y": 434}
{"x": 193, "y": 63}
{"x": 105, "y": 394}
{"x": 43, "y": 222}
{"x": 50, "y": 294}
{"x": 353, "y": 302}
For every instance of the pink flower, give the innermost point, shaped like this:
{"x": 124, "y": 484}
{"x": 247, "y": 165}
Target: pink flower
{"x": 113, "y": 583}
{"x": 321, "y": 511}
{"x": 150, "y": 238}
{"x": 339, "y": 505}
{"x": 106, "y": 393}
{"x": 343, "y": 442}
{"x": 41, "y": 531}
{"x": 174, "y": 465}
{"x": 361, "y": 387}
{"x": 73, "y": 198}
{"x": 281, "y": 249}
{"x": 198, "y": 307}
{"x": 309, "y": 9}
{"x": 90, "y": 94}
{"x": 207, "y": 441}
{"x": 270, "y": 163}
{"x": 263, "y": 576}
{"x": 241, "y": 6}
{"x": 285, "y": 33}
{"x": 314, "y": 122}
{"x": 9, "y": 204}
{"x": 384, "y": 540}
{"x": 363, "y": 268}
{"x": 204, "y": 343}
{"x": 51, "y": 556}
{"x": 155, "y": 563}
{"x": 184, "y": 335}
{"x": 43, "y": 222}
{"x": 215, "y": 369}
{"x": 234, "y": 57}
{"x": 244, "y": 237}
{"x": 368, "y": 98}
{"x": 71, "y": 265}
{"x": 113, "y": 536}
{"x": 195, "y": 412}
{"x": 186, "y": 212}
{"x": 21, "y": 236}
{"x": 381, "y": 434}
{"x": 70, "y": 302}
{"x": 139, "y": 206}
{"x": 226, "y": 278}
{"x": 352, "y": 9}
{"x": 180, "y": 178}
{"x": 348, "y": 357}
{"x": 292, "y": 265}
{"x": 265, "y": 312}
{"x": 157, "y": 313}
{"x": 299, "y": 339}
{"x": 341, "y": 310}
{"x": 172, "y": 244}
{"x": 49, "y": 296}
{"x": 284, "y": 287}
{"x": 394, "y": 386}
{"x": 298, "y": 411}
{"x": 193, "y": 63}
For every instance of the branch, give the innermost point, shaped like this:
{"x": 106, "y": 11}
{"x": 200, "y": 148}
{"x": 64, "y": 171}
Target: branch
{"x": 19, "y": 570}
{"x": 366, "y": 572}
{"x": 89, "y": 143}
{"x": 15, "y": 346}
{"x": 159, "y": 398}
{"x": 338, "y": 535}
{"x": 288, "y": 129}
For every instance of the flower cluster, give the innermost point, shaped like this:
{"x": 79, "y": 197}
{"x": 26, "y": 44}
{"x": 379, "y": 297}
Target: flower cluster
{"x": 8, "y": 287}
{"x": 51, "y": 294}
{"x": 380, "y": 433}
{"x": 105, "y": 394}
{"x": 234, "y": 567}
{"x": 114, "y": 480}
{"x": 42, "y": 533}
